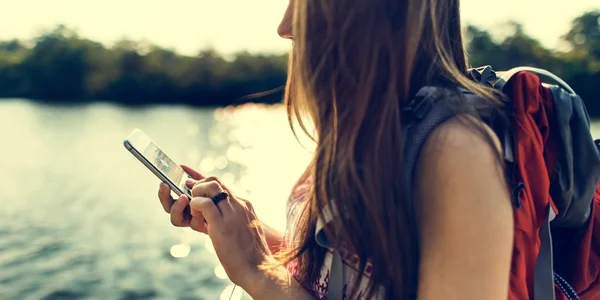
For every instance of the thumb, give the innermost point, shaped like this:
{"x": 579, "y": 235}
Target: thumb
{"x": 206, "y": 207}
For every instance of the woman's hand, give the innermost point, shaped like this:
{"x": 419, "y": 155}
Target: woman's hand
{"x": 178, "y": 208}
{"x": 233, "y": 227}
{"x": 181, "y": 216}
{"x": 241, "y": 242}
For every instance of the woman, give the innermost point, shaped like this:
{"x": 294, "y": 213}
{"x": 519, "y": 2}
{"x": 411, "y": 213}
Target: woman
{"x": 354, "y": 66}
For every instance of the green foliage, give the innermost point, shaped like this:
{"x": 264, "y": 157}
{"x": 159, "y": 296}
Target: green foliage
{"x": 60, "y": 66}
{"x": 63, "y": 67}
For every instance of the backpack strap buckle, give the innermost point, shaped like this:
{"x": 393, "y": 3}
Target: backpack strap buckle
{"x": 417, "y": 109}
{"x": 422, "y": 107}
{"x": 423, "y": 102}
{"x": 484, "y": 75}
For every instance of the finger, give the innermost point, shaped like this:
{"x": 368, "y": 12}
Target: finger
{"x": 249, "y": 207}
{"x": 206, "y": 189}
{"x": 197, "y": 214}
{"x": 193, "y": 181}
{"x": 198, "y": 223}
{"x": 190, "y": 183}
{"x": 209, "y": 189}
{"x": 164, "y": 195}
{"x": 241, "y": 204}
{"x": 178, "y": 218}
{"x": 208, "y": 209}
{"x": 212, "y": 178}
{"x": 195, "y": 174}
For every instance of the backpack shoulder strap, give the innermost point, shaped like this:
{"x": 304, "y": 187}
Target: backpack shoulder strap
{"x": 543, "y": 274}
{"x": 431, "y": 107}
{"x": 335, "y": 286}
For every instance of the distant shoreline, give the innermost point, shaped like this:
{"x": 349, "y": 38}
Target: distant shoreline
{"x": 139, "y": 105}
{"x": 270, "y": 97}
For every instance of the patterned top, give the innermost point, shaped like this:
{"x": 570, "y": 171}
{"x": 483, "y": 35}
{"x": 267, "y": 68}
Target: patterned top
{"x": 296, "y": 203}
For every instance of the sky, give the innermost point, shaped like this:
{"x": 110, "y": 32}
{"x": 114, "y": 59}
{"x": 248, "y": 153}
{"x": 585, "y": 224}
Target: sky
{"x": 233, "y": 25}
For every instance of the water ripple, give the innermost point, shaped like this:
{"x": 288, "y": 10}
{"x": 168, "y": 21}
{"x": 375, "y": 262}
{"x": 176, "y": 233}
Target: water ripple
{"x": 81, "y": 218}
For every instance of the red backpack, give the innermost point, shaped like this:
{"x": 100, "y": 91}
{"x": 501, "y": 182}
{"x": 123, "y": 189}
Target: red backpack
{"x": 552, "y": 169}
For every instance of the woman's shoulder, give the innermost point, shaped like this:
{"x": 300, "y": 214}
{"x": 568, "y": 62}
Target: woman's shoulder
{"x": 461, "y": 146}
{"x": 463, "y": 133}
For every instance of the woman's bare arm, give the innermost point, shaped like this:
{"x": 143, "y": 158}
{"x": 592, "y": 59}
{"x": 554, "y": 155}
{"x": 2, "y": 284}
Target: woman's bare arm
{"x": 277, "y": 284}
{"x": 465, "y": 217}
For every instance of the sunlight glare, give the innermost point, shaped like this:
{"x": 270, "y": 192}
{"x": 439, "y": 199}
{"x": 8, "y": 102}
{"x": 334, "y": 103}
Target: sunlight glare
{"x": 180, "y": 250}
{"x": 220, "y": 272}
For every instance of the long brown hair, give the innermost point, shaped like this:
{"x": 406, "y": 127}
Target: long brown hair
{"x": 354, "y": 65}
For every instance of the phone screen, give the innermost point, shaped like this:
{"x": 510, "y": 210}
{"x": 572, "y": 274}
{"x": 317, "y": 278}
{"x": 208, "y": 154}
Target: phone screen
{"x": 150, "y": 155}
{"x": 163, "y": 163}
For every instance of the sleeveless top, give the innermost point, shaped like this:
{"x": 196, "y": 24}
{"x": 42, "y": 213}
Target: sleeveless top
{"x": 319, "y": 288}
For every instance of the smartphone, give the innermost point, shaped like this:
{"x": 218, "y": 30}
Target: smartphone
{"x": 151, "y": 156}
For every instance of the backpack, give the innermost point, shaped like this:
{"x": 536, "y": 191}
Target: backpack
{"x": 552, "y": 170}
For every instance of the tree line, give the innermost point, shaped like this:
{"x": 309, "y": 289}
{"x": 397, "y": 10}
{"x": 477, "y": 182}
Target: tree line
{"x": 60, "y": 66}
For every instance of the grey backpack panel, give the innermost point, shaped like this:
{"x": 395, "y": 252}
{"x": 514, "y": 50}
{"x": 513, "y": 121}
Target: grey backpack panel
{"x": 577, "y": 170}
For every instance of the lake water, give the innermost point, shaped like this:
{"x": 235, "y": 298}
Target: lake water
{"x": 79, "y": 215}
